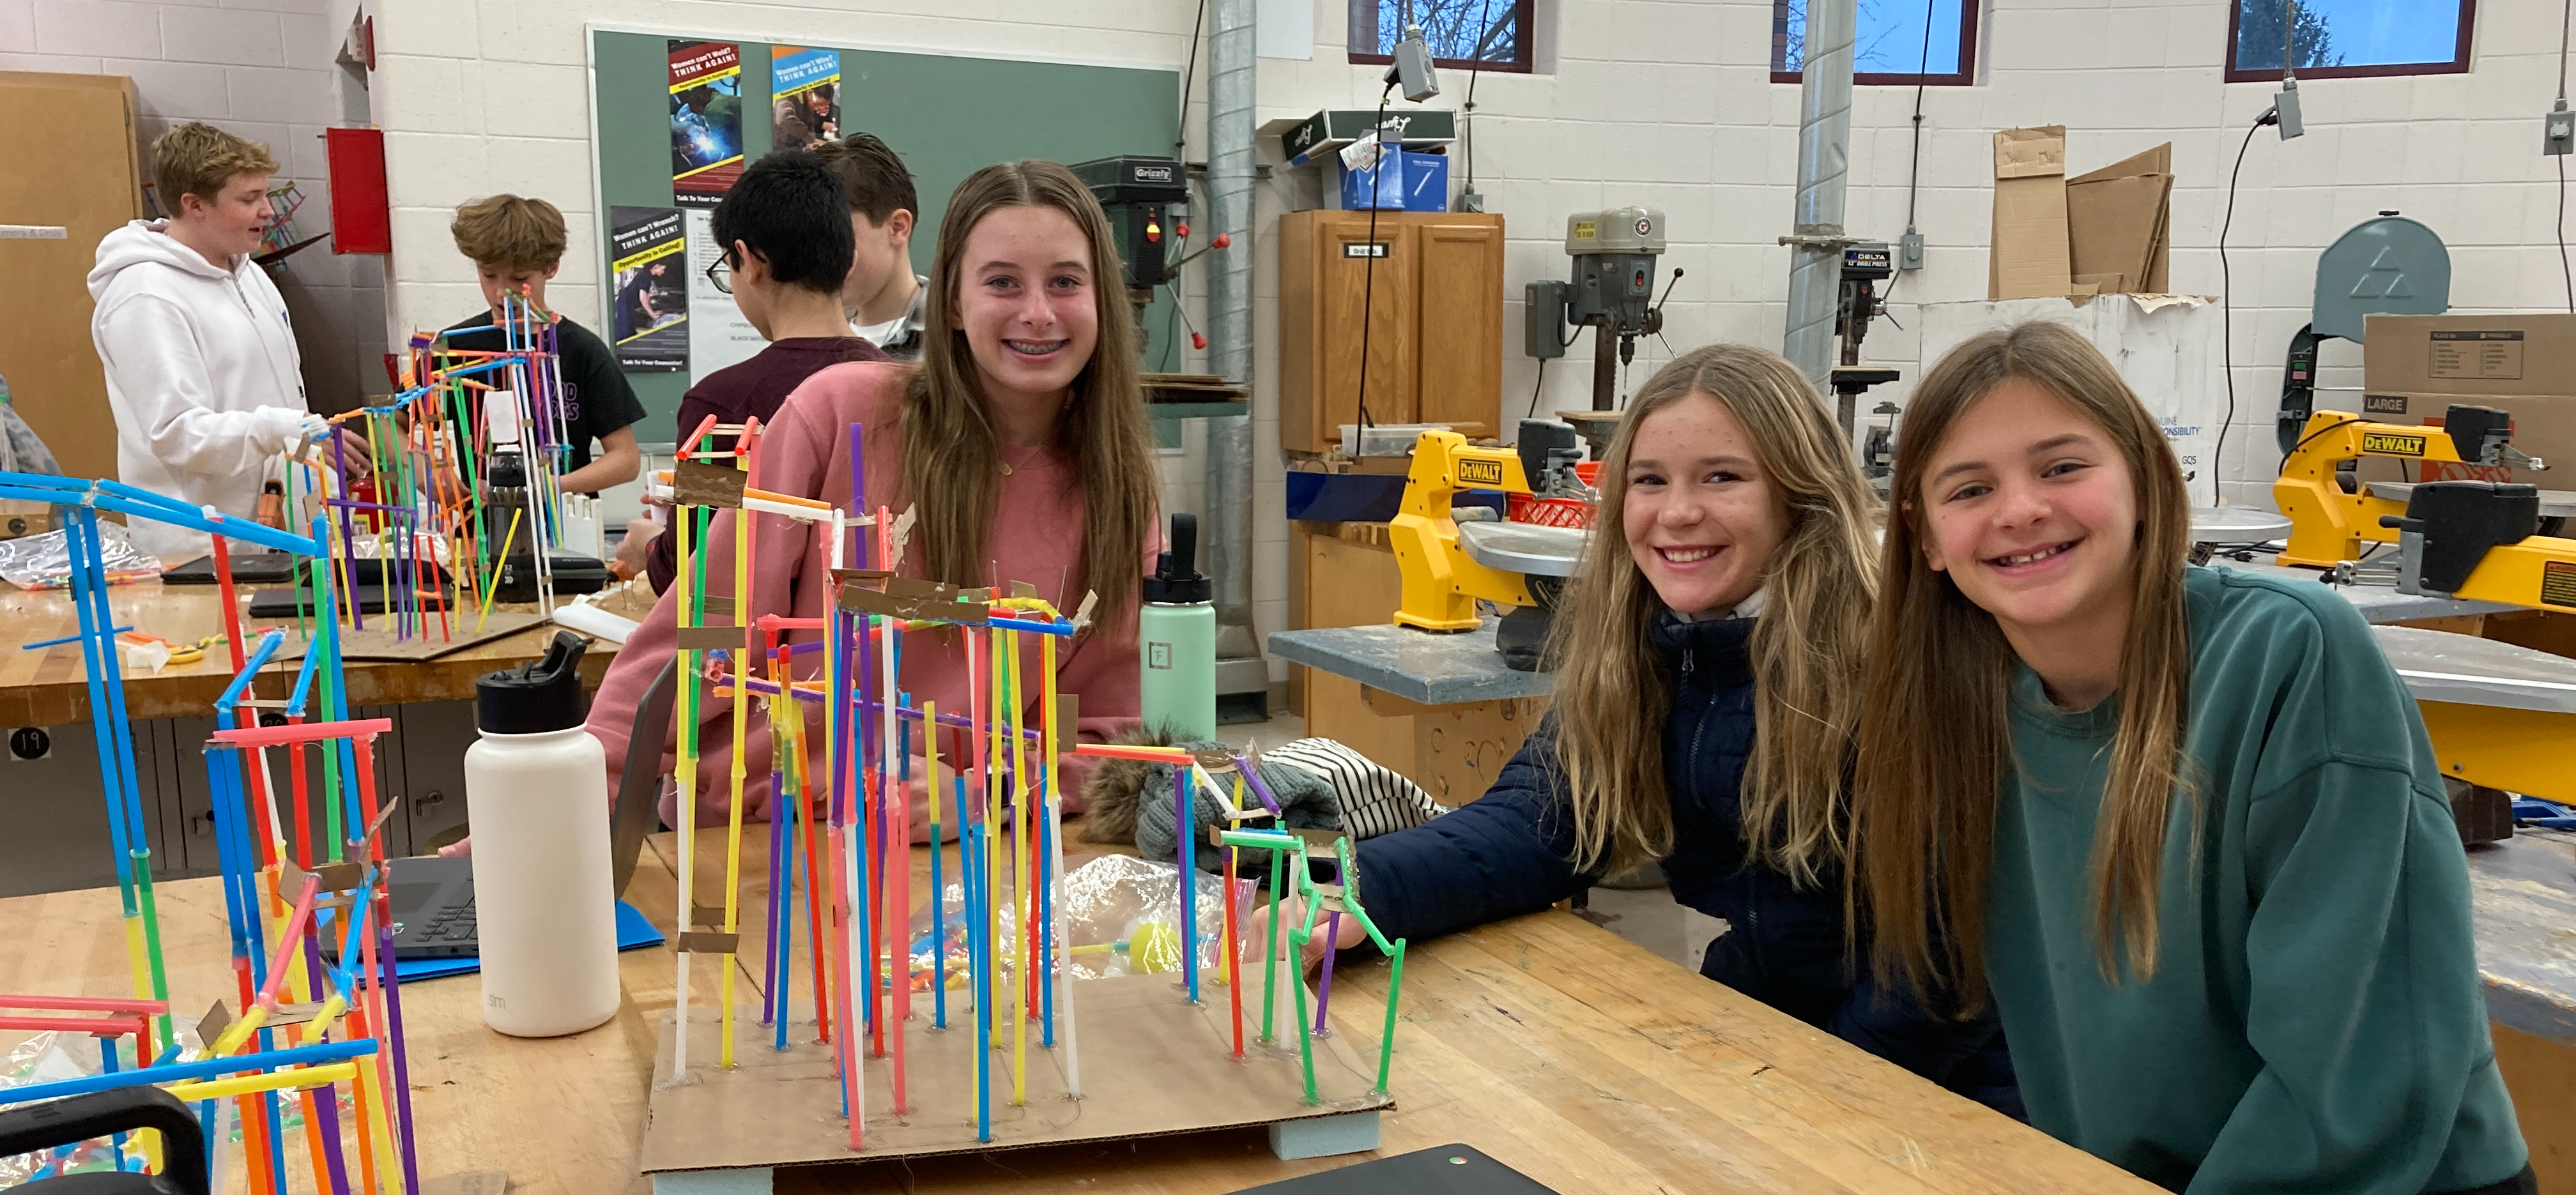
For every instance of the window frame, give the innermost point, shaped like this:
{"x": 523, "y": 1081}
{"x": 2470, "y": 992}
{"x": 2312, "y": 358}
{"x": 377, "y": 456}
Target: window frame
{"x": 1965, "y": 76}
{"x": 2458, "y": 65}
{"x": 1524, "y": 12}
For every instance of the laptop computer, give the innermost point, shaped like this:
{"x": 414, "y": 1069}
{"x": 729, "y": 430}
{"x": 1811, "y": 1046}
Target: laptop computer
{"x": 433, "y": 897}
{"x": 1443, "y": 1170}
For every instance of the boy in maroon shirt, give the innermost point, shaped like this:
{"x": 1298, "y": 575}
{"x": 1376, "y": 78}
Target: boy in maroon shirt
{"x": 787, "y": 246}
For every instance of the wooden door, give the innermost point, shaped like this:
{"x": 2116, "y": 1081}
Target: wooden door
{"x": 1460, "y": 332}
{"x": 1329, "y": 277}
{"x": 70, "y": 142}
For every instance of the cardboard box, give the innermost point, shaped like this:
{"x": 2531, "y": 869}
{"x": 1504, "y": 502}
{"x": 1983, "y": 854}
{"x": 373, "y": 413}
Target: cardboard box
{"x": 1380, "y": 186}
{"x": 1426, "y": 182}
{"x": 2415, "y": 367}
{"x": 2028, "y": 258}
{"x": 2116, "y": 224}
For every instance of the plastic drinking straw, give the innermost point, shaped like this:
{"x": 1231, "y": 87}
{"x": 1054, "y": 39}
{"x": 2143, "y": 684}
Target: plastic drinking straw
{"x": 1185, "y": 829}
{"x": 980, "y": 951}
{"x": 216, "y": 1089}
{"x": 1021, "y": 903}
{"x": 203, "y": 1068}
{"x": 781, "y": 811}
{"x": 1324, "y": 993}
{"x": 894, "y": 866}
{"x": 1298, "y": 938}
{"x": 499, "y": 562}
{"x": 938, "y": 890}
{"x": 1270, "y": 965}
{"x": 116, "y": 753}
{"x": 742, "y": 620}
{"x": 691, "y": 604}
{"x": 1057, "y": 929}
{"x": 396, "y": 1075}
{"x": 1233, "y": 964}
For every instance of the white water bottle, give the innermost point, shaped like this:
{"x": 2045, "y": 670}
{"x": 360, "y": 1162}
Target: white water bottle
{"x": 536, "y": 793}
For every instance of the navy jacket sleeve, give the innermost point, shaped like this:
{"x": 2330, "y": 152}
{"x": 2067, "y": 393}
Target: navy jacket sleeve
{"x": 1501, "y": 856}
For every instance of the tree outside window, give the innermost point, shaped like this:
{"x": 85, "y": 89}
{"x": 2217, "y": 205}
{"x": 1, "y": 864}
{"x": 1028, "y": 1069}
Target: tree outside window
{"x": 1491, "y": 35}
{"x": 2330, "y": 39}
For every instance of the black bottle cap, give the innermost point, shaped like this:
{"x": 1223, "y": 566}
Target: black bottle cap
{"x": 537, "y": 697}
{"x": 1176, "y": 580}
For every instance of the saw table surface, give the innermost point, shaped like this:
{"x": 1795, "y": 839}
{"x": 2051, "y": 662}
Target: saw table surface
{"x": 2467, "y": 670}
{"x": 1524, "y": 547}
{"x": 2554, "y": 504}
{"x": 1427, "y": 667}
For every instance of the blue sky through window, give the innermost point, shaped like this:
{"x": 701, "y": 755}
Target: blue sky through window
{"x": 2349, "y": 32}
{"x": 1887, "y": 37}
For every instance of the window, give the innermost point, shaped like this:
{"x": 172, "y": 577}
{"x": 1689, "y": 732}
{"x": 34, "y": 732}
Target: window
{"x": 2342, "y": 39}
{"x": 1894, "y": 41}
{"x": 1492, "y": 35}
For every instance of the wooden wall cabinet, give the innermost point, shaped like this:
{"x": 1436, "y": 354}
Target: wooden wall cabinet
{"x": 69, "y": 140}
{"x": 1434, "y": 314}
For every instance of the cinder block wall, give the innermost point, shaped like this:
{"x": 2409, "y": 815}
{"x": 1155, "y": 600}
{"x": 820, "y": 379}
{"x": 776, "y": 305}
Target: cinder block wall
{"x": 268, "y": 70}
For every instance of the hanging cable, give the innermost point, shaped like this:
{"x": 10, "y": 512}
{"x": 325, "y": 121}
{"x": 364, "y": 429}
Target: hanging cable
{"x": 1181, "y": 137}
{"x": 1922, "y": 67}
{"x": 1369, "y": 251}
{"x": 1475, "y": 67}
{"x": 2565, "y": 14}
{"x": 2227, "y": 299}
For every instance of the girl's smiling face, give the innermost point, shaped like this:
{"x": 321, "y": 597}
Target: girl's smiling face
{"x": 1700, "y": 515}
{"x": 1026, "y": 302}
{"x": 2032, "y": 511}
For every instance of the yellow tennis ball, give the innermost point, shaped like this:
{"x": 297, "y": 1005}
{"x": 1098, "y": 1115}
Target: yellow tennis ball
{"x": 1154, "y": 947}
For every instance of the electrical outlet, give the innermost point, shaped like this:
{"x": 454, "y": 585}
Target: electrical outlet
{"x": 2559, "y": 132}
{"x": 1909, "y": 250}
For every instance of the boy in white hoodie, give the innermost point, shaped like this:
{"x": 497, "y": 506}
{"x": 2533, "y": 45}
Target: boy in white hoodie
{"x": 202, "y": 370}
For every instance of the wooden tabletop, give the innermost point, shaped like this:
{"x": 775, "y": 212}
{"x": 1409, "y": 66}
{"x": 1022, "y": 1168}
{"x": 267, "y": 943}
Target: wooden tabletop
{"x": 47, "y": 686}
{"x": 1568, "y": 1053}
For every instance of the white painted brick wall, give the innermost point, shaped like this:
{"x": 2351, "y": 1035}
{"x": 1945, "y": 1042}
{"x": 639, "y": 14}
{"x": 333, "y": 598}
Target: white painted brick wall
{"x": 1645, "y": 101}
{"x": 267, "y": 70}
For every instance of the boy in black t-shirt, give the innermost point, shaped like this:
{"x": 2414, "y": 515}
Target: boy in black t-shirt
{"x": 517, "y": 244}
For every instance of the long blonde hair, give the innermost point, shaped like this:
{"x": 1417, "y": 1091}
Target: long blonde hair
{"x": 1935, "y": 739}
{"x": 1612, "y": 688}
{"x": 952, "y": 458}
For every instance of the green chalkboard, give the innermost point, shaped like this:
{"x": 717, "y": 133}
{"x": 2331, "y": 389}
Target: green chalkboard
{"x": 946, "y": 115}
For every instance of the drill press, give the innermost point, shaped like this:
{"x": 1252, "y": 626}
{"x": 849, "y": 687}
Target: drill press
{"x": 1148, "y": 203}
{"x": 1857, "y": 302}
{"x": 1612, "y": 291}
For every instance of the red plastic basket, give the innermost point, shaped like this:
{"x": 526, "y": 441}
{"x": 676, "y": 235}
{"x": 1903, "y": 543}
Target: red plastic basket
{"x": 1551, "y": 512}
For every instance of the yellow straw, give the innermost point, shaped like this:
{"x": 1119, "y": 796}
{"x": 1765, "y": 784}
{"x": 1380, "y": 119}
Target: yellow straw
{"x": 733, "y": 821}
{"x": 500, "y": 562}
{"x": 217, "y": 1089}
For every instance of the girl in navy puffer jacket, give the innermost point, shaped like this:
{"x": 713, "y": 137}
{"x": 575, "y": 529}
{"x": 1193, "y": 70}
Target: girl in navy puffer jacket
{"x": 1708, "y": 686}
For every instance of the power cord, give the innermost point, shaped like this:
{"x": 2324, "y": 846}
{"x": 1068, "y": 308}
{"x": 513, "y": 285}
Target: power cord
{"x": 1196, "y": 23}
{"x": 1475, "y": 68}
{"x": 1369, "y": 249}
{"x": 2227, "y": 298}
{"x": 2566, "y": 14}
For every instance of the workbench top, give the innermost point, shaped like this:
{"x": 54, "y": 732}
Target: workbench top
{"x": 2522, "y": 894}
{"x": 1567, "y": 1053}
{"x": 1427, "y": 667}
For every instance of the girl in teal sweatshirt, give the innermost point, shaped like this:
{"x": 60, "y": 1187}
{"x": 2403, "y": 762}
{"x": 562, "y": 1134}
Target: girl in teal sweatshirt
{"x": 2183, "y": 824}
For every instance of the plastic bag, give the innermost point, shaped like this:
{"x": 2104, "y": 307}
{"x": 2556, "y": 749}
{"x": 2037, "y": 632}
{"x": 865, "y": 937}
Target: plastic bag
{"x": 1122, "y": 917}
{"x": 44, "y": 561}
{"x": 46, "y": 1058}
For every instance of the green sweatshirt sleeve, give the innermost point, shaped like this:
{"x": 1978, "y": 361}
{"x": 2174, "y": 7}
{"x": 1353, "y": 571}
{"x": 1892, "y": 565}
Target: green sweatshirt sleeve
{"x": 2378, "y": 1074}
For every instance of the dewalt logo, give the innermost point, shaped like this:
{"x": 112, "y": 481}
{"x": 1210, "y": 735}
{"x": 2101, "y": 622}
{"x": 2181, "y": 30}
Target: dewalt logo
{"x": 1473, "y": 472}
{"x": 2392, "y": 444}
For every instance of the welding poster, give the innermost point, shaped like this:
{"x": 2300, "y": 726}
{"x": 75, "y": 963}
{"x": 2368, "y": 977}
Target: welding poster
{"x": 806, "y": 85}
{"x": 718, "y": 334}
{"x": 648, "y": 281}
{"x": 706, "y": 120}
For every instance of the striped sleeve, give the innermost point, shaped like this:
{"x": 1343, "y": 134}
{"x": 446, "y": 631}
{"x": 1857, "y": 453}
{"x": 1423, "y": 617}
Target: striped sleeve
{"x": 1374, "y": 800}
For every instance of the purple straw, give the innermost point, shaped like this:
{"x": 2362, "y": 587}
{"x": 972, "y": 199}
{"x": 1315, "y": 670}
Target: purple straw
{"x": 1332, "y": 934}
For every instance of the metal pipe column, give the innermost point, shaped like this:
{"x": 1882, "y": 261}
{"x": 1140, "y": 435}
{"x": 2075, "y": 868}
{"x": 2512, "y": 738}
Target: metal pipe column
{"x": 1231, "y": 50}
{"x": 1824, "y": 165}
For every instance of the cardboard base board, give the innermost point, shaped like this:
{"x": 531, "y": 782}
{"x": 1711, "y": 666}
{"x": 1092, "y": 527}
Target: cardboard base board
{"x": 1152, "y": 1064}
{"x": 373, "y": 644}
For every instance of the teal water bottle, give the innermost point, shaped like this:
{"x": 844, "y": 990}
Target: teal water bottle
{"x": 1176, "y": 640}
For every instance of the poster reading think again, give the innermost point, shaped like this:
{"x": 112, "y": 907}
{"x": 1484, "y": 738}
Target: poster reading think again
{"x": 807, "y": 87}
{"x": 706, "y": 120}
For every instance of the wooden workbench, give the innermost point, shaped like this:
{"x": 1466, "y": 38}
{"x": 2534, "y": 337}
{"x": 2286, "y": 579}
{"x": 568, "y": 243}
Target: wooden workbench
{"x": 1568, "y": 1053}
{"x": 47, "y": 687}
